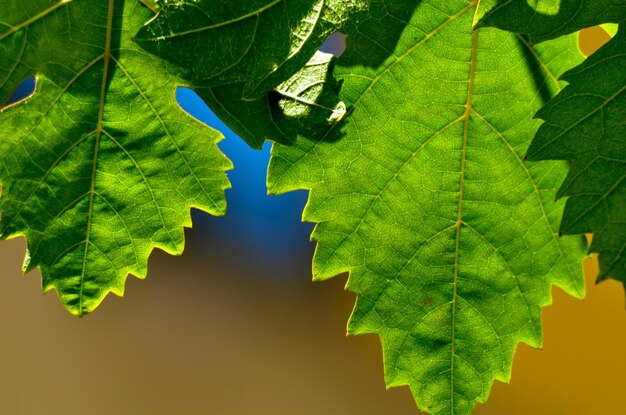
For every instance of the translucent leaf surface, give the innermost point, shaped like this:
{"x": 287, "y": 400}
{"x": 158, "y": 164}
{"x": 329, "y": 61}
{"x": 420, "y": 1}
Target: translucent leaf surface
{"x": 422, "y": 195}
{"x": 259, "y": 43}
{"x": 585, "y": 124}
{"x": 100, "y": 166}
{"x": 306, "y": 102}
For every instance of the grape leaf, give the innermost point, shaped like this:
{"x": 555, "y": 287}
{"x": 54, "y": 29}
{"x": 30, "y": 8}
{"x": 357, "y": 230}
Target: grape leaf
{"x": 585, "y": 124}
{"x": 259, "y": 43}
{"x": 307, "y": 102}
{"x": 100, "y": 165}
{"x": 547, "y": 19}
{"x": 422, "y": 195}
{"x": 311, "y": 95}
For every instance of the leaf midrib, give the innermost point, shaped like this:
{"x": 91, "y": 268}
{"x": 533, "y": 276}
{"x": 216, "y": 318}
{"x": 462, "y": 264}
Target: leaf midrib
{"x": 99, "y": 131}
{"x": 459, "y": 217}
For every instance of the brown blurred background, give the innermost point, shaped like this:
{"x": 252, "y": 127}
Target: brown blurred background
{"x": 231, "y": 328}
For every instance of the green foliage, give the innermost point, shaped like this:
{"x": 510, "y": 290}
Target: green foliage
{"x": 310, "y": 99}
{"x": 412, "y": 146}
{"x": 259, "y": 43}
{"x": 274, "y": 39}
{"x": 422, "y": 195}
{"x": 584, "y": 124}
{"x": 100, "y": 166}
{"x": 548, "y": 19}
{"x": 307, "y": 102}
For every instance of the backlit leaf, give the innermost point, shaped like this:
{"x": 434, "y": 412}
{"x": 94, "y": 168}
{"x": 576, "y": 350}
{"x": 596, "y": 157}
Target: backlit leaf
{"x": 422, "y": 195}
{"x": 307, "y": 102}
{"x": 259, "y": 43}
{"x": 585, "y": 124}
{"x": 100, "y": 166}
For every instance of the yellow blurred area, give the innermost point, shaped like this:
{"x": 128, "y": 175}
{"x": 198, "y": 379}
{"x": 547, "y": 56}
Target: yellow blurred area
{"x": 207, "y": 334}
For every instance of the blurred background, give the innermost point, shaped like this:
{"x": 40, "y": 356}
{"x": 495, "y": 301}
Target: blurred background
{"x": 236, "y": 327}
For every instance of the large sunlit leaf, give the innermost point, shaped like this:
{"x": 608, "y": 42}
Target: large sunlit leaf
{"x": 100, "y": 166}
{"x": 585, "y": 124}
{"x": 422, "y": 195}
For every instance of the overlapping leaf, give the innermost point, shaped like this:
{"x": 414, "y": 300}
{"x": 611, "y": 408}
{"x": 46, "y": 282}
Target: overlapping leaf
{"x": 422, "y": 195}
{"x": 548, "y": 19}
{"x": 259, "y": 43}
{"x": 100, "y": 166}
{"x": 585, "y": 124}
{"x": 307, "y": 102}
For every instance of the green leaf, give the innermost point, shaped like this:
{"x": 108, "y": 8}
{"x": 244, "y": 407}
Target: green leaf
{"x": 307, "y": 102}
{"x": 585, "y": 124}
{"x": 259, "y": 43}
{"x": 548, "y": 19}
{"x": 422, "y": 196}
{"x": 100, "y": 166}
{"x": 311, "y": 95}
